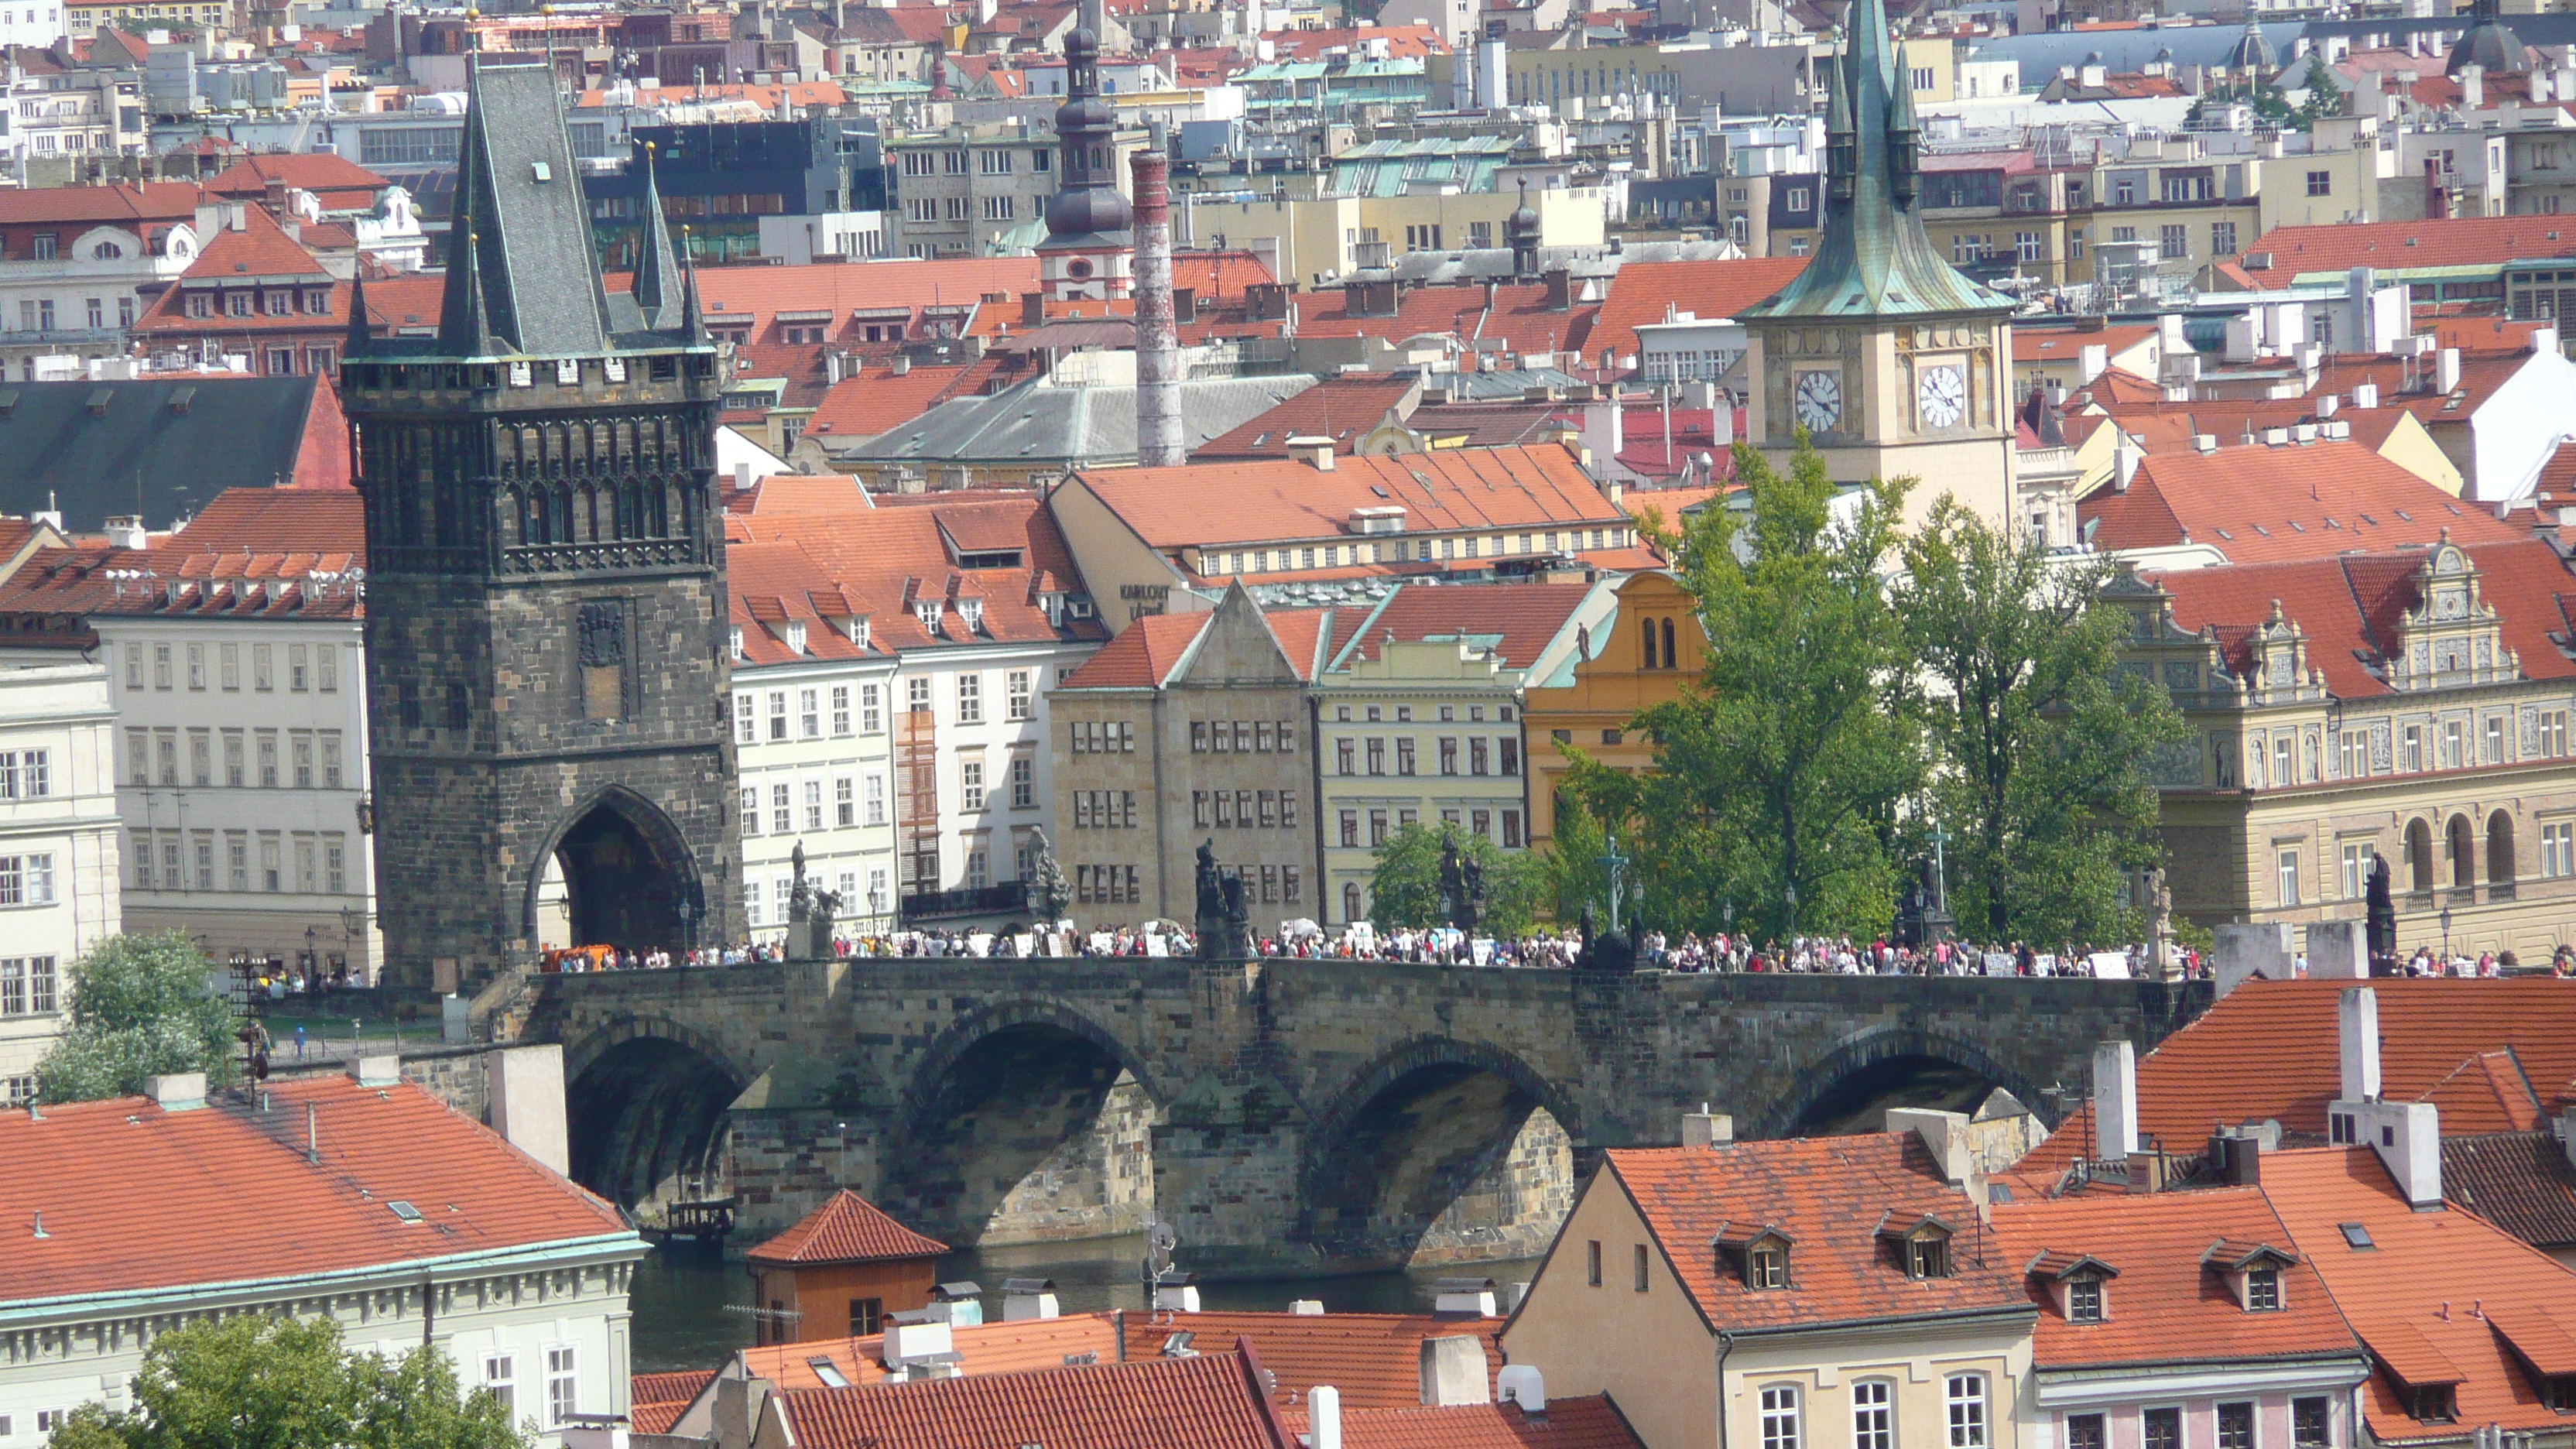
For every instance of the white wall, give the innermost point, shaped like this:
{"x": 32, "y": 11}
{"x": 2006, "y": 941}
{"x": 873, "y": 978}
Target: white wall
{"x": 776, "y": 752}
{"x": 58, "y": 849}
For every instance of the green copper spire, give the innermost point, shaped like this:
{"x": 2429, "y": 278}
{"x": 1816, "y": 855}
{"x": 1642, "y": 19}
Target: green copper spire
{"x": 1872, "y": 256}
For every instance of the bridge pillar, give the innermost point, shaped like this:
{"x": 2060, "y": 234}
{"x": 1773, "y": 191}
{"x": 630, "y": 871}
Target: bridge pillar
{"x": 1229, "y": 1190}
{"x": 787, "y": 1160}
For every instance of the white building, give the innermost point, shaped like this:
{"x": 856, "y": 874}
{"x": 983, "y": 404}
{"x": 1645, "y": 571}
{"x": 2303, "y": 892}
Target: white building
{"x": 76, "y": 260}
{"x": 978, "y": 608}
{"x": 58, "y": 867}
{"x": 411, "y": 1224}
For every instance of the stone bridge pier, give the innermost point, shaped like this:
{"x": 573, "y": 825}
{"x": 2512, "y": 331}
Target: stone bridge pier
{"x": 1282, "y": 1115}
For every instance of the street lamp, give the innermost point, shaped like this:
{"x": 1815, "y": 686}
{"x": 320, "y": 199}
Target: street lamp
{"x": 688, "y": 932}
{"x": 2446, "y": 940}
{"x": 1792, "y": 894}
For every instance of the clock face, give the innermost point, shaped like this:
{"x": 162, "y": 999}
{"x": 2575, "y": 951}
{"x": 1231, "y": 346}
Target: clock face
{"x": 1818, "y": 401}
{"x": 1941, "y": 398}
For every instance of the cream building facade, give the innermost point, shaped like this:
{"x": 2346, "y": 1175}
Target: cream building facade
{"x": 58, "y": 850}
{"x": 816, "y": 769}
{"x": 2430, "y": 731}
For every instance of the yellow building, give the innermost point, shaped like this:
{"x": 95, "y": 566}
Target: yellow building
{"x": 1839, "y": 1296}
{"x": 1419, "y": 718}
{"x": 1590, "y": 700}
{"x": 82, "y": 18}
{"x": 1325, "y": 235}
{"x": 2427, "y": 726}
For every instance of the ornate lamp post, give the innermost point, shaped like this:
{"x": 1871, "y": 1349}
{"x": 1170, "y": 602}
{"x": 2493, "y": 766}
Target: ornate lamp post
{"x": 1617, "y": 865}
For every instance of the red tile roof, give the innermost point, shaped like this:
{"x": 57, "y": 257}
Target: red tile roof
{"x": 1267, "y": 501}
{"x": 2265, "y": 504}
{"x": 339, "y": 183}
{"x": 1590, "y": 1422}
{"x": 126, "y": 204}
{"x": 1341, "y": 408}
{"x": 80, "y": 1165}
{"x": 1375, "y": 1359}
{"x": 1519, "y": 317}
{"x": 2350, "y": 607}
{"x": 253, "y": 553}
{"x": 2437, "y": 1296}
{"x": 1143, "y": 656}
{"x": 757, "y": 294}
{"x": 1206, "y": 1401}
{"x": 872, "y": 400}
{"x": 656, "y": 1401}
{"x": 847, "y": 1228}
{"x": 1403, "y": 42}
{"x": 2409, "y": 245}
{"x": 982, "y": 1348}
{"x": 1521, "y": 618}
{"x": 2034, "y": 344}
{"x": 800, "y": 493}
{"x": 1829, "y": 1196}
{"x": 2164, "y": 1294}
{"x": 2412, "y": 387}
{"x": 2195, "y": 1081}
{"x": 1641, "y": 293}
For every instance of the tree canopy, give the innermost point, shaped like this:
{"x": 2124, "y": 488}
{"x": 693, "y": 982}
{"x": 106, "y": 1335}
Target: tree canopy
{"x": 141, "y": 1006}
{"x": 1405, "y": 889}
{"x": 259, "y": 1382}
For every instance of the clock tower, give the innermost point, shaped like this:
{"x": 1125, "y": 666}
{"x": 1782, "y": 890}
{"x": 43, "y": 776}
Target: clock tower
{"x": 1894, "y": 362}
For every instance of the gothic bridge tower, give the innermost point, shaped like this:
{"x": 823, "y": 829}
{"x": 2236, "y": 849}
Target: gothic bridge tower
{"x": 546, "y": 642}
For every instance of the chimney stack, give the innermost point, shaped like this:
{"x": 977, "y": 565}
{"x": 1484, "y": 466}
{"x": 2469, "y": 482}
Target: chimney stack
{"x": 1158, "y": 347}
{"x": 1705, "y": 1128}
{"x": 2357, "y": 1031}
{"x": 1453, "y": 1372}
{"x": 2115, "y": 1101}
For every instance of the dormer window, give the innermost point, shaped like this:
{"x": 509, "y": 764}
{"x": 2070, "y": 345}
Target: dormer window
{"x": 972, "y": 612}
{"x": 796, "y": 636}
{"x": 2253, "y": 1271}
{"x": 2084, "y": 1300}
{"x": 927, "y": 611}
{"x": 2262, "y": 1290}
{"x": 1767, "y": 1267}
{"x": 1927, "y": 1258}
{"x": 1755, "y": 1253}
{"x": 737, "y": 641}
{"x": 859, "y": 631}
{"x": 2432, "y": 1403}
{"x": 1922, "y": 1245}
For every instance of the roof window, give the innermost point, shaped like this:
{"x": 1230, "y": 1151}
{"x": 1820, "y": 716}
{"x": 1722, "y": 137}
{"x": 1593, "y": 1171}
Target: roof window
{"x": 1757, "y": 1254}
{"x": 2356, "y": 1236}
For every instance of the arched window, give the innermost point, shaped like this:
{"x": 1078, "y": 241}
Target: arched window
{"x": 106, "y": 251}
{"x": 2464, "y": 864}
{"x": 1671, "y": 660}
{"x": 1646, "y": 628}
{"x": 2419, "y": 857}
{"x": 1351, "y": 910}
{"x": 2500, "y": 855}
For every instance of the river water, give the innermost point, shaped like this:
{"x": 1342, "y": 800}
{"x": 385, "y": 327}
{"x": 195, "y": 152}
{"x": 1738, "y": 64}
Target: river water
{"x": 684, "y": 1297}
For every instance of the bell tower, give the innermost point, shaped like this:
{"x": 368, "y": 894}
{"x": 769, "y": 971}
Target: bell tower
{"x": 546, "y": 651}
{"x": 1894, "y": 362}
{"x": 1090, "y": 245}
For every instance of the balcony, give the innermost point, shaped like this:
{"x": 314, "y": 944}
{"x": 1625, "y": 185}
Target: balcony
{"x": 973, "y": 901}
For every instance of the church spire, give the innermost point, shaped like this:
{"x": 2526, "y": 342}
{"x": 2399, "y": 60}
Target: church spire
{"x": 466, "y": 328}
{"x": 362, "y": 328}
{"x": 693, "y": 324}
{"x": 655, "y": 270}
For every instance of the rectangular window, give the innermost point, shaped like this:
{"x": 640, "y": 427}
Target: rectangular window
{"x": 1020, "y": 699}
{"x": 2176, "y": 241}
{"x": 871, "y": 716}
{"x": 2321, "y": 183}
{"x": 302, "y": 743}
{"x": 1873, "y": 1416}
{"x": 809, "y": 717}
{"x": 2453, "y": 744}
{"x": 263, "y": 674}
{"x": 813, "y": 804}
{"x": 1966, "y": 1396}
{"x": 876, "y": 800}
{"x": 1780, "y": 1417}
{"x": 28, "y": 880}
{"x": 330, "y": 759}
{"x": 237, "y": 860}
{"x": 778, "y": 714}
{"x": 845, "y": 803}
{"x": 165, "y": 754}
{"x": 2236, "y": 1426}
{"x": 1376, "y": 756}
{"x": 1404, "y": 756}
{"x": 196, "y": 666}
{"x": 201, "y": 762}
{"x": 782, "y": 810}
{"x": 1024, "y": 783}
{"x": 2356, "y": 870}
{"x": 2494, "y": 742}
{"x": 1377, "y": 828}
{"x": 335, "y": 864}
{"x": 296, "y": 675}
{"x": 2263, "y": 1290}
{"x": 271, "y": 878}
{"x": 160, "y": 666}
{"x": 2311, "y": 1423}
{"x": 970, "y": 784}
{"x": 1448, "y": 755}
{"x": 746, "y": 720}
{"x": 2084, "y": 1431}
{"x": 2558, "y": 850}
{"x": 2414, "y": 750}
{"x": 501, "y": 1381}
{"x": 2286, "y": 873}
{"x": 563, "y": 1386}
{"x": 2160, "y": 1429}
{"x": 1592, "y": 1263}
{"x": 751, "y": 809}
{"x": 970, "y": 698}
{"x": 2222, "y": 238}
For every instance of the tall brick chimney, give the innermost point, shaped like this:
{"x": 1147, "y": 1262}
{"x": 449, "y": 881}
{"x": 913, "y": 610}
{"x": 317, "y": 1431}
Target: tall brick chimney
{"x": 1158, "y": 348}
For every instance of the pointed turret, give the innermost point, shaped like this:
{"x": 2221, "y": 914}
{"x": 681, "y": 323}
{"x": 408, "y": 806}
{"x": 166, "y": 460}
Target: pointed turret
{"x": 1840, "y": 162}
{"x": 465, "y": 321}
{"x": 693, "y": 324}
{"x": 1904, "y": 140}
{"x": 656, "y": 272}
{"x": 362, "y": 328}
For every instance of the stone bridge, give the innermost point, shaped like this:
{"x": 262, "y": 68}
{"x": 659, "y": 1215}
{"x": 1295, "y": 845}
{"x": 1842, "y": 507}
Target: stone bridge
{"x": 1282, "y": 1115}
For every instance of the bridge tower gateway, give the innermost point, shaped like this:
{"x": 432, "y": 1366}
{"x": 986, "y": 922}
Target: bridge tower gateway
{"x": 546, "y": 656}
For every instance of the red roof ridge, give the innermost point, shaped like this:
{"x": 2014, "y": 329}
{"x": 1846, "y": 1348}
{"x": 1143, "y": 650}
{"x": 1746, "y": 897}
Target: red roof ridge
{"x": 846, "y": 1228}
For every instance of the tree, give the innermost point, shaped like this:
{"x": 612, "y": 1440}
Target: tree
{"x": 2041, "y": 743}
{"x": 141, "y": 1006}
{"x": 2325, "y": 96}
{"x": 1405, "y": 890}
{"x": 1794, "y": 746}
{"x": 259, "y": 1382}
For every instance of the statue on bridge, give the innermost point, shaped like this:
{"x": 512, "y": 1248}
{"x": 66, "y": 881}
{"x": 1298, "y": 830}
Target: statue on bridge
{"x": 1462, "y": 887}
{"x": 1224, "y": 923}
{"x": 810, "y": 914}
{"x": 800, "y": 894}
{"x": 2380, "y": 919}
{"x": 1049, "y": 894}
{"x": 1604, "y": 951}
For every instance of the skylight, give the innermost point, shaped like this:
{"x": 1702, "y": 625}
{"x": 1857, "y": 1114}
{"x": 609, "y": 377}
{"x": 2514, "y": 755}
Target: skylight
{"x": 2355, "y": 1235}
{"x": 404, "y": 1211}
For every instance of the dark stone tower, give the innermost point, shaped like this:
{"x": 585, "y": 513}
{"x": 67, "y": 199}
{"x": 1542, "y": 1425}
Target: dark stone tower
{"x": 546, "y": 654}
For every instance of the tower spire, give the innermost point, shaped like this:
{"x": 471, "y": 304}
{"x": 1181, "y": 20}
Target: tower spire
{"x": 693, "y": 324}
{"x": 361, "y": 327}
{"x": 656, "y": 272}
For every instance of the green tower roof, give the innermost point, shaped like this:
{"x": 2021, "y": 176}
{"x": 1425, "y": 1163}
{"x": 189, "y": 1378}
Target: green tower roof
{"x": 1872, "y": 258}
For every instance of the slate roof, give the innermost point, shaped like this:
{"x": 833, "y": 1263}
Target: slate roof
{"x": 519, "y": 203}
{"x": 847, "y": 1228}
{"x": 2520, "y": 1181}
{"x": 1208, "y": 1401}
{"x": 2166, "y": 1302}
{"x": 165, "y": 445}
{"x": 79, "y": 1165}
{"x": 2195, "y": 1080}
{"x": 2438, "y": 1296}
{"x": 2265, "y": 504}
{"x": 1829, "y": 1195}
{"x": 1513, "y": 622}
{"x": 1044, "y": 421}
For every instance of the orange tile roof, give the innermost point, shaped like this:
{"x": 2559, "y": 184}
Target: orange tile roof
{"x": 1590, "y": 1422}
{"x": 1375, "y": 1359}
{"x": 2034, "y": 344}
{"x": 80, "y": 1166}
{"x": 1519, "y": 317}
{"x": 1270, "y": 501}
{"x": 1642, "y": 291}
{"x": 2438, "y": 1295}
{"x": 2411, "y": 388}
{"x": 2483, "y": 333}
{"x": 873, "y": 400}
{"x": 758, "y": 294}
{"x": 2350, "y": 607}
{"x": 340, "y": 183}
{"x": 2264, "y": 504}
{"x": 2164, "y": 1294}
{"x": 656, "y": 1401}
{"x": 2194, "y": 1081}
{"x": 2409, "y": 245}
{"x": 1341, "y": 408}
{"x": 1142, "y": 656}
{"x": 1403, "y": 42}
{"x": 259, "y": 247}
{"x": 1829, "y": 1196}
{"x": 982, "y": 1348}
{"x": 128, "y": 204}
{"x": 847, "y": 1228}
{"x": 1206, "y": 1401}
{"x": 800, "y": 493}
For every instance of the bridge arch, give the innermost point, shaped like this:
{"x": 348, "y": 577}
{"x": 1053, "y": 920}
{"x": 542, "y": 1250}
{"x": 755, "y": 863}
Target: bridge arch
{"x": 1025, "y": 1121}
{"x": 626, "y": 870}
{"x": 645, "y": 1100}
{"x": 1440, "y": 1149}
{"x": 1887, "y": 1066}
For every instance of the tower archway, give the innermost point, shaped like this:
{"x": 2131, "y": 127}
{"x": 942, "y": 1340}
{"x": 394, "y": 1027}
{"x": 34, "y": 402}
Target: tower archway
{"x": 621, "y": 872}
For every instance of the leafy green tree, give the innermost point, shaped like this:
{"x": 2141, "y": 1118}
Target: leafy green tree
{"x": 2270, "y": 106}
{"x": 1792, "y": 749}
{"x": 2325, "y": 97}
{"x": 2041, "y": 742}
{"x": 1405, "y": 889}
{"x": 140, "y": 1006}
{"x": 261, "y": 1382}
